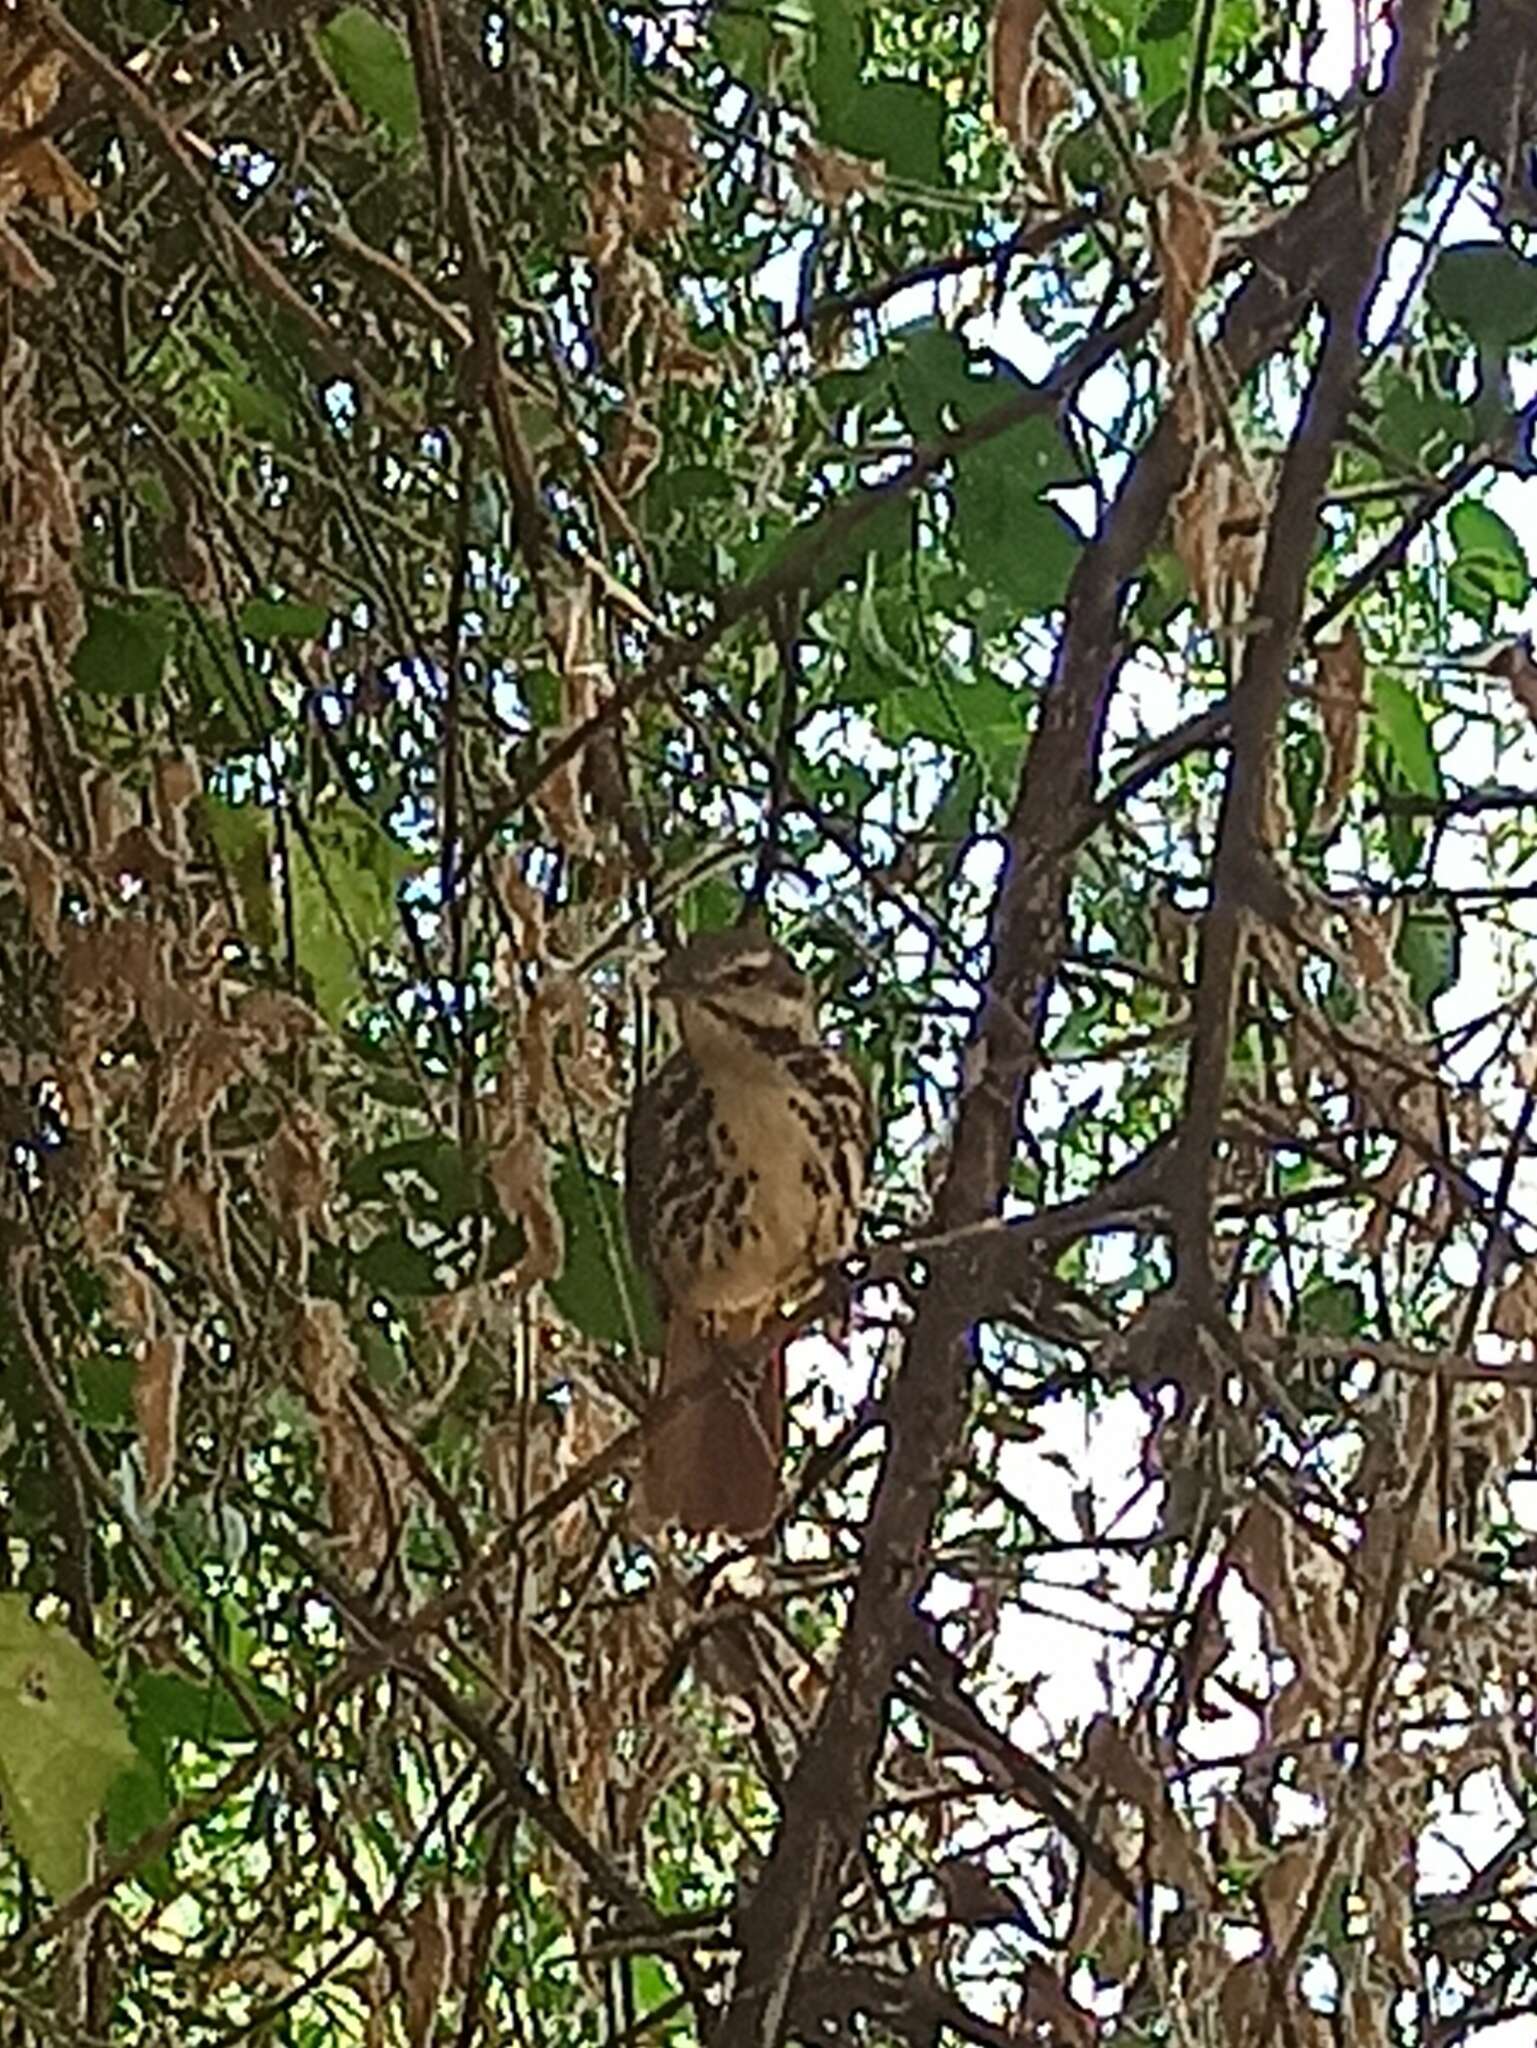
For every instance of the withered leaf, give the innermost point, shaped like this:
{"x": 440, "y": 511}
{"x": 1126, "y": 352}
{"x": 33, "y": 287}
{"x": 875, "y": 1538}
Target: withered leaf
{"x": 1187, "y": 254}
{"x": 1341, "y": 694}
{"x": 156, "y": 1402}
{"x": 1011, "y": 59}
{"x": 1515, "y": 663}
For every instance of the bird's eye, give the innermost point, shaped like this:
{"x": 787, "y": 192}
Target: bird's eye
{"x": 741, "y": 976}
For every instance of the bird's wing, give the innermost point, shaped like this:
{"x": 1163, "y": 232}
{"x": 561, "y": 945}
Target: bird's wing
{"x": 643, "y": 1153}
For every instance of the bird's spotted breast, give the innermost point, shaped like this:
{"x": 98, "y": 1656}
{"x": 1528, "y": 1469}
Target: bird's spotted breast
{"x": 755, "y": 1176}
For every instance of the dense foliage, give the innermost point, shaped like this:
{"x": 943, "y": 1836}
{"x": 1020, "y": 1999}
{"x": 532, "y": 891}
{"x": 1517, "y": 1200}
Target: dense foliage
{"x": 1036, "y": 500}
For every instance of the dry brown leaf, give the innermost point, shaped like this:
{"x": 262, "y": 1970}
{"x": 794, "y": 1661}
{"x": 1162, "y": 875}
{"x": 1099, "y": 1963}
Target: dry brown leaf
{"x": 41, "y": 875}
{"x": 367, "y": 1479}
{"x": 1011, "y": 57}
{"x": 633, "y": 452}
{"x": 325, "y": 1351}
{"x": 1515, "y": 663}
{"x": 277, "y": 1020}
{"x": 680, "y": 360}
{"x": 1173, "y": 931}
{"x": 971, "y": 1894}
{"x": 33, "y": 71}
{"x": 832, "y": 178}
{"x": 1286, "y": 1884}
{"x": 1048, "y": 94}
{"x": 1374, "y": 934}
{"x": 1263, "y": 1316}
{"x": 177, "y": 781}
{"x": 1107, "y": 1925}
{"x": 1219, "y": 536}
{"x": 1341, "y": 697}
{"x": 1514, "y": 1314}
{"x": 1187, "y": 250}
{"x": 1171, "y": 1851}
{"x": 19, "y": 266}
{"x": 212, "y": 1061}
{"x": 520, "y": 1173}
{"x": 132, "y": 1295}
{"x": 195, "y": 1210}
{"x": 1365, "y": 2015}
{"x": 429, "y": 1966}
{"x": 48, "y": 174}
{"x": 299, "y": 1167}
{"x": 156, "y": 1403}
{"x": 1245, "y": 2005}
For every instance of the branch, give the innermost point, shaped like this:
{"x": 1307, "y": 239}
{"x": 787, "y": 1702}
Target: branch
{"x": 1244, "y": 883}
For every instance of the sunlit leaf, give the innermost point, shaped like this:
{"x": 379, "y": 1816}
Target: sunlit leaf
{"x": 1400, "y": 723}
{"x": 1490, "y": 566}
{"x": 373, "y": 67}
{"x": 343, "y": 886}
{"x": 62, "y": 1742}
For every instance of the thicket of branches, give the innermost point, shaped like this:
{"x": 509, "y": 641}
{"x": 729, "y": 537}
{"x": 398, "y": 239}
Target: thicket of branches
{"x": 483, "y": 495}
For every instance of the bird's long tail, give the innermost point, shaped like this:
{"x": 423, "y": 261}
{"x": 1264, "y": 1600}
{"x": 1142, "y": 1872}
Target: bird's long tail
{"x": 714, "y": 1464}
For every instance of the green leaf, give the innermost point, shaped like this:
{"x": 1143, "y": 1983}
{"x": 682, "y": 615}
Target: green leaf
{"x": 344, "y": 900}
{"x": 1419, "y": 427}
{"x": 980, "y": 716}
{"x": 1429, "y": 952}
{"x": 1163, "y": 54}
{"x": 250, "y": 404}
{"x": 242, "y": 833}
{"x": 899, "y": 123}
{"x": 1402, "y": 727}
{"x": 106, "y": 1391}
{"x": 137, "y": 1800}
{"x": 713, "y": 905}
{"x": 930, "y": 364}
{"x": 759, "y": 39}
{"x": 600, "y": 1288}
{"x": 458, "y": 1188}
{"x": 1331, "y": 1308}
{"x": 1489, "y": 567}
{"x": 175, "y": 1707}
{"x": 393, "y": 1265}
{"x": 886, "y": 634}
{"x": 126, "y": 643}
{"x": 690, "y": 483}
{"x": 940, "y": 385}
{"x": 262, "y": 619}
{"x": 817, "y": 555}
{"x": 373, "y": 67}
{"x": 1017, "y": 547}
{"x": 954, "y": 816}
{"x": 833, "y": 74}
{"x": 1081, "y": 1029}
{"x": 62, "y": 1742}
{"x": 1488, "y": 291}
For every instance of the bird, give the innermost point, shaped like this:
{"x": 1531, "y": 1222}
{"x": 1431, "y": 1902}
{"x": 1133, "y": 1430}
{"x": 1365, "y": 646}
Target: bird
{"x": 746, "y": 1155}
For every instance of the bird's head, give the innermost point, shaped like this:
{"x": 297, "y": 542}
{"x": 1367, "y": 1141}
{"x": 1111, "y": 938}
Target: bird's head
{"x": 737, "y": 982}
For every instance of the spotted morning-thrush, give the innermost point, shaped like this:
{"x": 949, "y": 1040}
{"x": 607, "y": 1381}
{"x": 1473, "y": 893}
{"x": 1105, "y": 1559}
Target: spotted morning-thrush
{"x": 745, "y": 1161}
